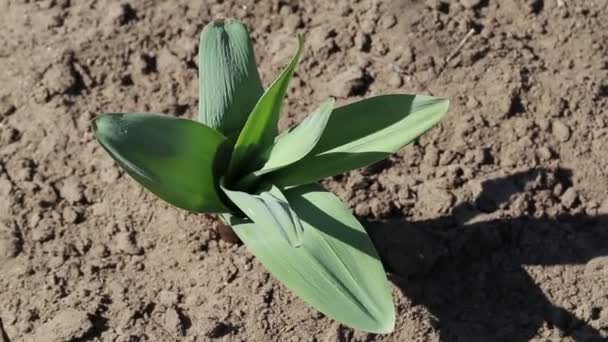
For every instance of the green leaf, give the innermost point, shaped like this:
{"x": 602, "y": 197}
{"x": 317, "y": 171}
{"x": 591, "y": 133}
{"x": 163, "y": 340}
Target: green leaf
{"x": 176, "y": 159}
{"x": 262, "y": 125}
{"x": 229, "y": 83}
{"x": 363, "y": 133}
{"x": 295, "y": 143}
{"x": 270, "y": 209}
{"x": 335, "y": 269}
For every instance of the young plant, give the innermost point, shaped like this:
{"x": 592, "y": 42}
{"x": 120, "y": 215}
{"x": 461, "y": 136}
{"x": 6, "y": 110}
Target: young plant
{"x": 233, "y": 161}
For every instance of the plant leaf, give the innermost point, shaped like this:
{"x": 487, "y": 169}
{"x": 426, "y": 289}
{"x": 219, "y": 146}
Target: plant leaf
{"x": 270, "y": 209}
{"x": 229, "y": 83}
{"x": 363, "y": 133}
{"x": 295, "y": 143}
{"x": 335, "y": 269}
{"x": 176, "y": 159}
{"x": 261, "y": 127}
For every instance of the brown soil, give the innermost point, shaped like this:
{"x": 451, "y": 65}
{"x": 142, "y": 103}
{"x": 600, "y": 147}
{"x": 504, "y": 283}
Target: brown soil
{"x": 494, "y": 226}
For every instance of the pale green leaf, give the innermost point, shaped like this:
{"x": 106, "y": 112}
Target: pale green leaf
{"x": 261, "y": 127}
{"x": 295, "y": 143}
{"x": 335, "y": 269}
{"x": 270, "y": 209}
{"x": 362, "y": 133}
{"x": 229, "y": 83}
{"x": 176, "y": 159}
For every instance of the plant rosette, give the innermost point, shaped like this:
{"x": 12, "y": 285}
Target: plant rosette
{"x": 234, "y": 162}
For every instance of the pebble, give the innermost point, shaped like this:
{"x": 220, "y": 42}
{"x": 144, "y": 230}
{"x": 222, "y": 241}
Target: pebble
{"x": 395, "y": 80}
{"x": 544, "y": 153}
{"x": 560, "y": 130}
{"x": 69, "y": 215}
{"x": 68, "y": 325}
{"x": 388, "y": 21}
{"x": 71, "y": 190}
{"x": 569, "y": 198}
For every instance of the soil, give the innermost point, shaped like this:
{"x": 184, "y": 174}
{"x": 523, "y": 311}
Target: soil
{"x": 493, "y": 226}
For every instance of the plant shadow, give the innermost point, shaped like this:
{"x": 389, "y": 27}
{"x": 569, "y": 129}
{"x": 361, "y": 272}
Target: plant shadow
{"x": 471, "y": 277}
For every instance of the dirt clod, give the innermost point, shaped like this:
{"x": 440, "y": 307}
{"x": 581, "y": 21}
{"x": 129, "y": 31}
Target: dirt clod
{"x": 67, "y": 325}
{"x": 560, "y": 130}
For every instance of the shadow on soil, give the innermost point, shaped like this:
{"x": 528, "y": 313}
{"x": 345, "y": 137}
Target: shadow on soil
{"x": 471, "y": 277}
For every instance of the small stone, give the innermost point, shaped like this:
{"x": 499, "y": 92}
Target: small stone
{"x": 470, "y": 4}
{"x": 71, "y": 190}
{"x": 544, "y": 153}
{"x": 472, "y": 103}
{"x": 395, "y": 80}
{"x": 69, "y": 215}
{"x": 560, "y": 130}
{"x": 388, "y": 21}
{"x": 569, "y": 198}
{"x": 67, "y": 325}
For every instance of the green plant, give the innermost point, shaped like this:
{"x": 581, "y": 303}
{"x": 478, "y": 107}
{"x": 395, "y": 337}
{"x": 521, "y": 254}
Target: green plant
{"x": 263, "y": 183}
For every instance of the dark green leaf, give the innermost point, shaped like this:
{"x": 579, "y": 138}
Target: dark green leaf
{"x": 176, "y": 159}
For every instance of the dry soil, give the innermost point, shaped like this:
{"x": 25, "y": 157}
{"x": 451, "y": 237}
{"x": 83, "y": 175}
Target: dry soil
{"x": 493, "y": 226}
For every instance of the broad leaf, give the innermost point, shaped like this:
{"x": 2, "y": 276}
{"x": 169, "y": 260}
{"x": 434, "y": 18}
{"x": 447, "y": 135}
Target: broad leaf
{"x": 176, "y": 159}
{"x": 229, "y": 83}
{"x": 261, "y": 127}
{"x": 270, "y": 209}
{"x": 295, "y": 143}
{"x": 335, "y": 269}
{"x": 362, "y": 133}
